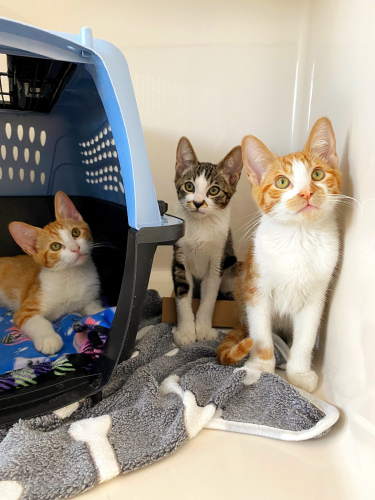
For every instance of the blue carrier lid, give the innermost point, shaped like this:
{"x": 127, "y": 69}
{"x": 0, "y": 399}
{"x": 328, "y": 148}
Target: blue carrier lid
{"x": 109, "y": 70}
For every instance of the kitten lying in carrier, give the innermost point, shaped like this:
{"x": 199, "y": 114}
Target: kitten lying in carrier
{"x": 205, "y": 255}
{"x": 293, "y": 254}
{"x": 57, "y": 276}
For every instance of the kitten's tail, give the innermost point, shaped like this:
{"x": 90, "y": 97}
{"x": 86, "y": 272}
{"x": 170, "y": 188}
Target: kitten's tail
{"x": 234, "y": 347}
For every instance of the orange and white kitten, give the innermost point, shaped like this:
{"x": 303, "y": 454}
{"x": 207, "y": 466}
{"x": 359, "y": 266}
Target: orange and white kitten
{"x": 294, "y": 252}
{"x": 57, "y": 276}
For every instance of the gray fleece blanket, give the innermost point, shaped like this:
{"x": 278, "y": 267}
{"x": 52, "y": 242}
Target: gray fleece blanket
{"x": 156, "y": 401}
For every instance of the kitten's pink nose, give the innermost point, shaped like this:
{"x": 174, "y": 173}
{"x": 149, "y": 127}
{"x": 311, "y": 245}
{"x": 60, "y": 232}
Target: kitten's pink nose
{"x": 306, "y": 194}
{"x": 75, "y": 248}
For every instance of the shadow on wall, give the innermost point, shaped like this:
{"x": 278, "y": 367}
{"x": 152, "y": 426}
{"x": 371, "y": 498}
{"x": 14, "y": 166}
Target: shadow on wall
{"x": 161, "y": 149}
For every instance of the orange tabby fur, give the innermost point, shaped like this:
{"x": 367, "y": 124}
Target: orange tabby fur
{"x": 21, "y": 285}
{"x": 235, "y": 346}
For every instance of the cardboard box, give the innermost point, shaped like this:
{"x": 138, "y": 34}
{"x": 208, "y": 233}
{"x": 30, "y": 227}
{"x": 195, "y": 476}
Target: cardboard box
{"x": 225, "y": 313}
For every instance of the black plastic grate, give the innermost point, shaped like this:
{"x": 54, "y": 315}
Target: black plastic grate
{"x": 34, "y": 84}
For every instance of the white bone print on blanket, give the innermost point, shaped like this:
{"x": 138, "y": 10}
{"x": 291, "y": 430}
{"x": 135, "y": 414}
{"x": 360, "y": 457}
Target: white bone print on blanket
{"x": 94, "y": 432}
{"x": 195, "y": 417}
{"x": 11, "y": 490}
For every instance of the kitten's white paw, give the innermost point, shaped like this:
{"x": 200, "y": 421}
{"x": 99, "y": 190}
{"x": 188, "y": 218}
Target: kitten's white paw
{"x": 263, "y": 366}
{"x": 306, "y": 381}
{"x": 48, "y": 344}
{"x": 184, "y": 336}
{"x": 205, "y": 332}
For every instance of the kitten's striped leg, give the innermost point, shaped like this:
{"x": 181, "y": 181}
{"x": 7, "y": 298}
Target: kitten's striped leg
{"x": 305, "y": 329}
{"x": 209, "y": 290}
{"x": 184, "y": 333}
{"x": 260, "y": 327}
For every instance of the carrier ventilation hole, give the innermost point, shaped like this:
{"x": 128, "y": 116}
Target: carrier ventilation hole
{"x": 100, "y": 157}
{"x": 115, "y": 154}
{"x": 8, "y": 130}
{"x": 110, "y": 177}
{"x": 101, "y": 135}
{"x": 83, "y": 144}
{"x": 43, "y": 137}
{"x": 90, "y": 153}
{"x": 103, "y": 144}
{"x": 105, "y": 169}
{"x": 87, "y": 143}
{"x": 87, "y": 161}
{"x": 96, "y": 181}
{"x": 20, "y": 132}
{"x": 92, "y": 181}
{"x": 95, "y": 159}
{"x": 115, "y": 188}
{"x": 10, "y": 172}
{"x": 111, "y": 187}
{"x": 15, "y": 153}
{"x": 100, "y": 180}
{"x": 42, "y": 178}
{"x": 101, "y": 171}
{"x": 107, "y": 142}
{"x": 3, "y": 152}
{"x": 109, "y": 127}
{"x": 106, "y": 187}
{"x": 109, "y": 154}
{"x": 27, "y": 154}
{"x": 112, "y": 142}
{"x": 37, "y": 157}
{"x": 96, "y": 173}
{"x": 22, "y": 174}
{"x": 31, "y": 134}
{"x": 87, "y": 172}
{"x": 32, "y": 175}
{"x": 122, "y": 187}
{"x": 96, "y": 138}
{"x": 98, "y": 148}
{"x": 105, "y": 131}
{"x": 85, "y": 153}
{"x": 105, "y": 178}
{"x": 116, "y": 168}
{"x": 110, "y": 168}
{"x": 1, "y": 173}
{"x": 88, "y": 180}
{"x": 104, "y": 155}
{"x": 92, "y": 141}
{"x": 115, "y": 178}
{"x": 91, "y": 161}
{"x": 92, "y": 174}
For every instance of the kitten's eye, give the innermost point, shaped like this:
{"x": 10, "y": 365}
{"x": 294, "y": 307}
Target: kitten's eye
{"x": 189, "y": 186}
{"x": 318, "y": 175}
{"x": 282, "y": 182}
{"x": 214, "y": 191}
{"x": 55, "y": 246}
{"x": 76, "y": 232}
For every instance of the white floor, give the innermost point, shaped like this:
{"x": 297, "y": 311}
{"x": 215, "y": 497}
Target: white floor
{"x": 226, "y": 466}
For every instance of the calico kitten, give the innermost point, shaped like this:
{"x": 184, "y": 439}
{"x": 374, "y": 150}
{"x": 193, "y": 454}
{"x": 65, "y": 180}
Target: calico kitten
{"x": 57, "y": 276}
{"x": 294, "y": 252}
{"x": 205, "y": 255}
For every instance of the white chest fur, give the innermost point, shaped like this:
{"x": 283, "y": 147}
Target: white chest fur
{"x": 204, "y": 241}
{"x": 295, "y": 261}
{"x": 68, "y": 290}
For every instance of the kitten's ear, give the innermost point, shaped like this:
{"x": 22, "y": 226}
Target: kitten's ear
{"x": 322, "y": 142}
{"x": 256, "y": 158}
{"x": 65, "y": 209}
{"x": 185, "y": 156}
{"x": 232, "y": 165}
{"x": 25, "y": 236}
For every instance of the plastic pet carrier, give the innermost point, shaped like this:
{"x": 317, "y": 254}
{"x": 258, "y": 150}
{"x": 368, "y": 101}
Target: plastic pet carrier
{"x": 69, "y": 122}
